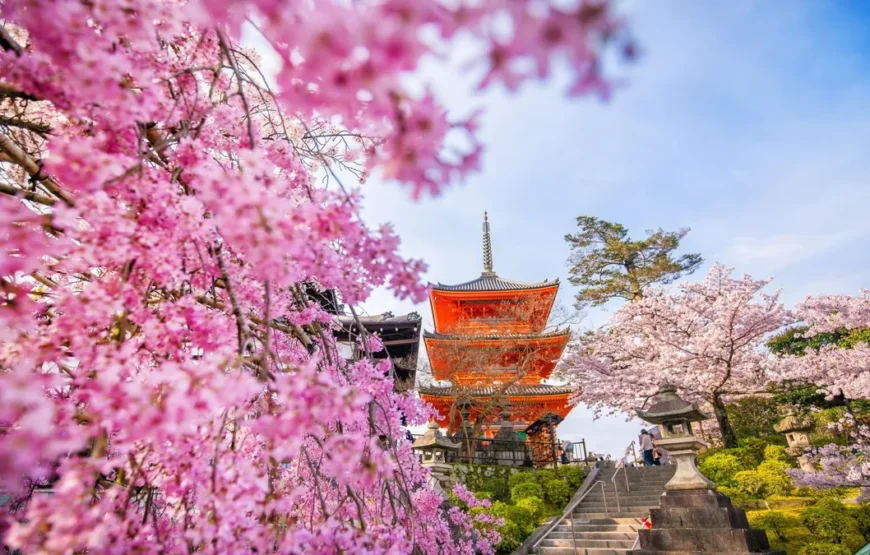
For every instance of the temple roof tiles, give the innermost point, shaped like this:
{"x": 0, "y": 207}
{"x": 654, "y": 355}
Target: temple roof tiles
{"x": 386, "y": 318}
{"x": 486, "y": 390}
{"x": 492, "y": 282}
{"x": 496, "y": 336}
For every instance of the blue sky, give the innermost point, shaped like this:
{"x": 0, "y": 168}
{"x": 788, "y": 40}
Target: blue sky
{"x": 745, "y": 121}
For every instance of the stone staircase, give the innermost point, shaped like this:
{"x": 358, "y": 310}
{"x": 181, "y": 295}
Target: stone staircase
{"x": 598, "y": 526}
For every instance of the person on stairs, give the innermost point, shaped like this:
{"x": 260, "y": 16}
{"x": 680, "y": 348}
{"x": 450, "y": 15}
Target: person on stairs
{"x": 646, "y": 446}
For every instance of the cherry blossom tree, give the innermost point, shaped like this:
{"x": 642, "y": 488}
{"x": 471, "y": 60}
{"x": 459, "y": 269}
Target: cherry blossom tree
{"x": 705, "y": 338}
{"x": 839, "y": 371}
{"x": 162, "y": 211}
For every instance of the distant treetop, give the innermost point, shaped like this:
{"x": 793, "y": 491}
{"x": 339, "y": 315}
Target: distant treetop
{"x": 607, "y": 264}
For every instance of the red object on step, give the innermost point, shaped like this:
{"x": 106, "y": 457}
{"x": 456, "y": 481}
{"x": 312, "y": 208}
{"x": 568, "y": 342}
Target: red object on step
{"x": 646, "y": 523}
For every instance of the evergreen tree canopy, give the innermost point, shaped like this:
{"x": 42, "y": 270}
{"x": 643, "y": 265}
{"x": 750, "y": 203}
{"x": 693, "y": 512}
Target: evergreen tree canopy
{"x": 607, "y": 264}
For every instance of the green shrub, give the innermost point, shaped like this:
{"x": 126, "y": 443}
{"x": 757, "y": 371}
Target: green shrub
{"x": 518, "y": 478}
{"x": 738, "y": 497}
{"x": 574, "y": 476}
{"x": 534, "y": 505}
{"x": 526, "y": 489}
{"x": 511, "y": 537}
{"x": 829, "y": 520}
{"x": 750, "y": 451}
{"x": 557, "y": 492}
{"x": 776, "y": 522}
{"x": 824, "y": 548}
{"x": 775, "y": 453}
{"x": 776, "y": 481}
{"x": 522, "y": 517}
{"x": 544, "y": 476}
{"x": 750, "y": 483}
{"x": 862, "y": 519}
{"x": 721, "y": 468}
{"x": 769, "y": 479}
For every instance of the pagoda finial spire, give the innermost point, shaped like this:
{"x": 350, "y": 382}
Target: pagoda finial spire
{"x": 487, "y": 248}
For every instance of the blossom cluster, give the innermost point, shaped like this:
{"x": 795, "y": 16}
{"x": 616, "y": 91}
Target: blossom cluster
{"x": 704, "y": 339}
{"x": 164, "y": 372}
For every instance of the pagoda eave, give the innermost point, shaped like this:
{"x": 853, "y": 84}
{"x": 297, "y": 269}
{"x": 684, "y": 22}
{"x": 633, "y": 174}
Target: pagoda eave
{"x": 526, "y": 403}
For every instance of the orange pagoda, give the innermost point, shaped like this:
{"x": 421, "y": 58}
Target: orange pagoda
{"x": 490, "y": 345}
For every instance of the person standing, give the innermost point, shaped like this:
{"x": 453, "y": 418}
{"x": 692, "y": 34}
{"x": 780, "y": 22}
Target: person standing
{"x": 646, "y": 446}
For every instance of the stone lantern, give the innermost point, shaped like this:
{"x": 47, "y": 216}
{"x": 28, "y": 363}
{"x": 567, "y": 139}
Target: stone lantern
{"x": 433, "y": 446}
{"x": 434, "y": 449}
{"x": 674, "y": 417}
{"x": 693, "y": 517}
{"x": 797, "y": 434}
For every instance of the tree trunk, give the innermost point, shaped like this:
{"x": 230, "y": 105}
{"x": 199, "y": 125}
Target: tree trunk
{"x": 729, "y": 439}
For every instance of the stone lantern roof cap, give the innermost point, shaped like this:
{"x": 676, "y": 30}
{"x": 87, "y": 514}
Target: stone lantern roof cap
{"x": 668, "y": 405}
{"x": 433, "y": 438}
{"x": 793, "y": 423}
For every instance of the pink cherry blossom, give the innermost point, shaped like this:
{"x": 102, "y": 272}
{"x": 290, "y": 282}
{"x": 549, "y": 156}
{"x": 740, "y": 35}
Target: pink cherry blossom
{"x": 163, "y": 372}
{"x": 706, "y": 339}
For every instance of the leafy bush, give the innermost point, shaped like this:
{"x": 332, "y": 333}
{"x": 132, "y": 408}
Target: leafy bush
{"x": 511, "y": 537}
{"x": 522, "y": 517}
{"x": 518, "y": 478}
{"x": 493, "y": 480}
{"x": 862, "y": 519}
{"x": 721, "y": 467}
{"x": 776, "y": 522}
{"x": 753, "y": 416}
{"x": 738, "y": 497}
{"x": 775, "y": 453}
{"x": 829, "y": 520}
{"x": 776, "y": 481}
{"x": 526, "y": 489}
{"x": 544, "y": 476}
{"x": 750, "y": 451}
{"x": 750, "y": 483}
{"x": 769, "y": 479}
{"x": 557, "y": 492}
{"x": 824, "y": 548}
{"x": 574, "y": 476}
{"x": 534, "y": 505}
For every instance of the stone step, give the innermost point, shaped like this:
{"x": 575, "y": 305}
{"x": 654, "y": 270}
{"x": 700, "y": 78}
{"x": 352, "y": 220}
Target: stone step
{"x": 633, "y": 494}
{"x": 582, "y": 535}
{"x": 626, "y": 520}
{"x": 623, "y": 507}
{"x": 614, "y": 514}
{"x": 608, "y": 528}
{"x": 585, "y": 543}
{"x": 579, "y": 551}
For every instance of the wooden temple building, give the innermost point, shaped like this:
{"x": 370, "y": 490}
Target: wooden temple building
{"x": 399, "y": 334}
{"x": 491, "y": 348}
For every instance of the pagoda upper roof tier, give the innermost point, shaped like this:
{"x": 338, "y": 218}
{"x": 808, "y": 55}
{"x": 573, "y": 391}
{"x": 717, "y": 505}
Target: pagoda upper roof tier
{"x": 493, "y": 311}
{"x": 475, "y": 359}
{"x": 493, "y": 282}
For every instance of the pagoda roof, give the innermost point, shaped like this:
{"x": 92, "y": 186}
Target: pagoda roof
{"x": 515, "y": 390}
{"x": 493, "y": 282}
{"x": 497, "y": 336}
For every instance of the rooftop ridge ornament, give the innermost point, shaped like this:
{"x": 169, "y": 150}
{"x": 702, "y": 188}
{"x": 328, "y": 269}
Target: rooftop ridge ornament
{"x": 487, "y": 248}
